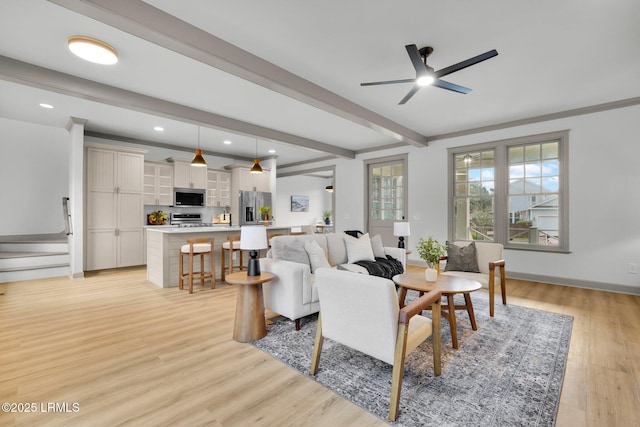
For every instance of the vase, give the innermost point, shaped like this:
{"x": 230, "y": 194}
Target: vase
{"x": 431, "y": 274}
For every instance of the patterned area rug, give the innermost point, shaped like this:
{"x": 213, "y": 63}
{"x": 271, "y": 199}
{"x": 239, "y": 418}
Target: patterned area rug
{"x": 507, "y": 373}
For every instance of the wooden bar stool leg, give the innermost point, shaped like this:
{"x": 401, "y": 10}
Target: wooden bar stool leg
{"x": 190, "y": 273}
{"x": 222, "y": 266}
{"x": 213, "y": 268}
{"x": 181, "y": 276}
{"x": 202, "y": 270}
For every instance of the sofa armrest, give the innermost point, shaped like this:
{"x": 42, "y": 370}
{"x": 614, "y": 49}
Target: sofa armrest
{"x": 398, "y": 253}
{"x": 292, "y": 285}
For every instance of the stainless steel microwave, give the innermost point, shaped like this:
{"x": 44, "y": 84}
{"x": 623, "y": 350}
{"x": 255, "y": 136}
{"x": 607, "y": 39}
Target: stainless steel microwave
{"x": 188, "y": 197}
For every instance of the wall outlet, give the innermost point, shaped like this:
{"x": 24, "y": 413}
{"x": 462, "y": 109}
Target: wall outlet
{"x": 632, "y": 268}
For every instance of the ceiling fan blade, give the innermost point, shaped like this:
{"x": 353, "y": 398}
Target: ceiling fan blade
{"x": 464, "y": 64}
{"x": 408, "y": 96}
{"x": 388, "y": 82}
{"x": 450, "y": 86}
{"x": 416, "y": 59}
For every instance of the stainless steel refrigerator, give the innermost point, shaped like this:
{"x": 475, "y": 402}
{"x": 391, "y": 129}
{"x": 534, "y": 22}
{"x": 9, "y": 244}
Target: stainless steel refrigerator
{"x": 250, "y": 202}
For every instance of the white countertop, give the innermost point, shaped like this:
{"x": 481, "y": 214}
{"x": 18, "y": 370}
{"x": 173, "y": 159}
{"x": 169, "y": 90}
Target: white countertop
{"x": 213, "y": 229}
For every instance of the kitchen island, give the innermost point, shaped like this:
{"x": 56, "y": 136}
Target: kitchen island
{"x": 163, "y": 247}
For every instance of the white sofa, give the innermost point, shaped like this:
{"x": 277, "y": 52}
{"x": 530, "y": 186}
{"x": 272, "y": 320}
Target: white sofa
{"x": 489, "y": 256}
{"x": 293, "y": 293}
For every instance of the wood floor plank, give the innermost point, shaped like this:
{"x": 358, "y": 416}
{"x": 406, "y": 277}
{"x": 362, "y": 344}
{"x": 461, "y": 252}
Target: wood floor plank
{"x": 130, "y": 353}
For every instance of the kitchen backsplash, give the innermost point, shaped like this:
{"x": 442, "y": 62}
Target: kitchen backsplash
{"x": 206, "y": 212}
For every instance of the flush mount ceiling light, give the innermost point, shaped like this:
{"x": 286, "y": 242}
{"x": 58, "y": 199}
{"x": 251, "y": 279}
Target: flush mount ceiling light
{"x": 93, "y": 50}
{"x": 256, "y": 168}
{"x": 198, "y": 160}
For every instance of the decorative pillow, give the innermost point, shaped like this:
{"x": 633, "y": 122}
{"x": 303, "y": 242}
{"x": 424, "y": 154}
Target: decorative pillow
{"x": 359, "y": 249}
{"x": 317, "y": 258}
{"x": 295, "y": 252}
{"x": 462, "y": 258}
{"x": 377, "y": 246}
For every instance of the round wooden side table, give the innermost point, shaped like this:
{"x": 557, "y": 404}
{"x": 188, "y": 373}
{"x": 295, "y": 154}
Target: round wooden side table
{"x": 249, "y": 324}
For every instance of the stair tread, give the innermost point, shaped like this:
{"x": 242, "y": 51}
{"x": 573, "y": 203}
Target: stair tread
{"x": 35, "y": 238}
{"x": 7, "y": 255}
{"x": 36, "y": 267}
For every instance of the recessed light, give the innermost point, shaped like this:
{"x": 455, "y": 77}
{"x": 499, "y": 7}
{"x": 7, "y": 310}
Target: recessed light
{"x": 158, "y": 128}
{"x": 43, "y": 105}
{"x": 227, "y": 142}
{"x": 272, "y": 151}
{"x": 93, "y": 50}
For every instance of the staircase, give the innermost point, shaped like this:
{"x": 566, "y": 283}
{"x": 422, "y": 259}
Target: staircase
{"x": 33, "y": 256}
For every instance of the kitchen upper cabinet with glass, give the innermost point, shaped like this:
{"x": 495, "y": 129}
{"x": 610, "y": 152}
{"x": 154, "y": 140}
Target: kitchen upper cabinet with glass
{"x": 186, "y": 176}
{"x": 218, "y": 188}
{"x": 158, "y": 184}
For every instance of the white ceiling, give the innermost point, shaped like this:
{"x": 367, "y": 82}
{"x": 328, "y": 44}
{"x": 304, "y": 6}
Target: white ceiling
{"x": 553, "y": 56}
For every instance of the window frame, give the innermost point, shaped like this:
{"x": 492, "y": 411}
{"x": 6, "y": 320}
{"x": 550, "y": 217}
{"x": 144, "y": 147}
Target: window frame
{"x": 501, "y": 186}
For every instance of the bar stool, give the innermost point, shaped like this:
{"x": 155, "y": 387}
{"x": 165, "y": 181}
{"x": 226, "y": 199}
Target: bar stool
{"x": 197, "y": 246}
{"x": 231, "y": 245}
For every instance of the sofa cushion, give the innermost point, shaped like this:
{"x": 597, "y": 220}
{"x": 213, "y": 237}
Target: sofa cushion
{"x": 359, "y": 249}
{"x": 279, "y": 242}
{"x": 377, "y": 246}
{"x": 462, "y": 258}
{"x": 337, "y": 249}
{"x": 295, "y": 252}
{"x": 317, "y": 256}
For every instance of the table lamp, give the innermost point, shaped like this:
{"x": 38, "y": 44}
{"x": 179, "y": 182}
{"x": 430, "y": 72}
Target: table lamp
{"x": 252, "y": 239}
{"x": 401, "y": 229}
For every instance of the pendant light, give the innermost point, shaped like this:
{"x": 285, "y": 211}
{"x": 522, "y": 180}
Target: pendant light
{"x": 198, "y": 160}
{"x": 256, "y": 168}
{"x": 329, "y": 188}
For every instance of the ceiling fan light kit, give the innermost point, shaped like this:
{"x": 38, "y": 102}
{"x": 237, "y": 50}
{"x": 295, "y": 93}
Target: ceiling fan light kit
{"x": 427, "y": 76}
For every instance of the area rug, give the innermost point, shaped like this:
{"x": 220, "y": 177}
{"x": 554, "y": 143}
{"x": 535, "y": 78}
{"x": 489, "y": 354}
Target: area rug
{"x": 507, "y": 373}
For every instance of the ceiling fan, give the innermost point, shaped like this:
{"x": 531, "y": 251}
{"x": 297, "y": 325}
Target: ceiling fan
{"x": 425, "y": 75}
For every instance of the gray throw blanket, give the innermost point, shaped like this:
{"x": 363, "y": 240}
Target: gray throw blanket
{"x": 382, "y": 267}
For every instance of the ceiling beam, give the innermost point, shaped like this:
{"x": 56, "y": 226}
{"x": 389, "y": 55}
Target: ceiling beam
{"x": 158, "y": 27}
{"x": 66, "y": 84}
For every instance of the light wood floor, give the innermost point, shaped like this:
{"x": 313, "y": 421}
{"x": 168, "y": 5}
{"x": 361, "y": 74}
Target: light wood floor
{"x": 130, "y": 353}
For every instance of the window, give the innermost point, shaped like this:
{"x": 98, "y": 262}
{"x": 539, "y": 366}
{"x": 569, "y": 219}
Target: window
{"x": 512, "y": 192}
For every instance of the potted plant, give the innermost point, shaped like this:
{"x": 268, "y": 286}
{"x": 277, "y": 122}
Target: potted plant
{"x": 431, "y": 251}
{"x": 265, "y": 213}
{"x": 326, "y": 216}
{"x": 157, "y": 218}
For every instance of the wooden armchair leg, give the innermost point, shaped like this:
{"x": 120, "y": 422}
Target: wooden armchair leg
{"x": 492, "y": 288}
{"x": 317, "y": 348}
{"x": 503, "y": 286}
{"x": 398, "y": 371}
{"x": 436, "y": 335}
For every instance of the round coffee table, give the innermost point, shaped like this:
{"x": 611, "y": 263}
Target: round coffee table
{"x": 449, "y": 286}
{"x": 250, "y": 324}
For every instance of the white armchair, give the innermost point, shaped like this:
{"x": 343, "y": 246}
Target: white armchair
{"x": 362, "y": 312}
{"x": 490, "y": 257}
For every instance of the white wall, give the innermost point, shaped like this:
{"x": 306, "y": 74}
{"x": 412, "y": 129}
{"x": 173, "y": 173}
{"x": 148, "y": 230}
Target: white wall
{"x": 604, "y": 198}
{"x": 31, "y": 191}
{"x": 299, "y": 185}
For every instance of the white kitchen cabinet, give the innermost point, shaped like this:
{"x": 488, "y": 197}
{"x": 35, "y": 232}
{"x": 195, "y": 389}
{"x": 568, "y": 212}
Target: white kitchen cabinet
{"x": 218, "y": 188}
{"x": 158, "y": 184}
{"x": 115, "y": 209}
{"x": 187, "y": 176}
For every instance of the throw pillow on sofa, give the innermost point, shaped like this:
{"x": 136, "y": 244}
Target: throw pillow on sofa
{"x": 462, "y": 258}
{"x": 359, "y": 249}
{"x": 317, "y": 258}
{"x": 377, "y": 247}
{"x": 295, "y": 252}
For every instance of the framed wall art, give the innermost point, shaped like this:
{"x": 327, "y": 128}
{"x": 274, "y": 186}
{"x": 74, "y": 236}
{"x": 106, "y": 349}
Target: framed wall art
{"x": 299, "y": 203}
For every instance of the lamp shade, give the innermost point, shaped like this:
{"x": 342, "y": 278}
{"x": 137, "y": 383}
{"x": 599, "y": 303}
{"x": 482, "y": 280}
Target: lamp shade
{"x": 401, "y": 229}
{"x": 253, "y": 237}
